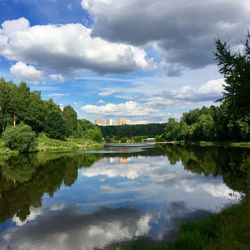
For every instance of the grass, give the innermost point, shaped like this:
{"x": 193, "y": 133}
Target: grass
{"x": 46, "y": 144}
{"x": 51, "y": 145}
{"x": 227, "y": 230}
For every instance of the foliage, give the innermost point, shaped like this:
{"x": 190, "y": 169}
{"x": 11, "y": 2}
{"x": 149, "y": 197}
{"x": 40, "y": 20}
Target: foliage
{"x": 20, "y": 138}
{"x": 235, "y": 66}
{"x": 146, "y": 130}
{"x": 86, "y": 129}
{"x": 55, "y": 126}
{"x": 70, "y": 118}
{"x": 230, "y": 120}
{"x": 124, "y": 140}
{"x": 95, "y": 134}
{"x": 32, "y": 175}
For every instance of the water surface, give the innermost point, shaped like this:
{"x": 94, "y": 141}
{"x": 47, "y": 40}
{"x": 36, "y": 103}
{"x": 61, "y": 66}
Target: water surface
{"x": 95, "y": 199}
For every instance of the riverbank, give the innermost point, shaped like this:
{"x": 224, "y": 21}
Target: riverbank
{"x": 212, "y": 144}
{"x": 46, "y": 144}
{"x": 229, "y": 229}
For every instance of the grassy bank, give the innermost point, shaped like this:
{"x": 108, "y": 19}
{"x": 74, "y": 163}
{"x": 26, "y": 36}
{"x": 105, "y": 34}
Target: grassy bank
{"x": 51, "y": 145}
{"x": 227, "y": 230}
{"x": 214, "y": 144}
{"x": 46, "y": 144}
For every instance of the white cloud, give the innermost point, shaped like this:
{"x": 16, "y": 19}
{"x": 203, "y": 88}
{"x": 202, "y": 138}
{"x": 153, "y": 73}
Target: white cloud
{"x": 107, "y": 92}
{"x": 210, "y": 91}
{"x": 57, "y": 77}
{"x": 90, "y": 233}
{"x": 129, "y": 108}
{"x": 67, "y": 48}
{"x": 166, "y": 178}
{"x": 153, "y": 104}
{"x": 26, "y": 73}
{"x": 100, "y": 102}
{"x": 58, "y": 94}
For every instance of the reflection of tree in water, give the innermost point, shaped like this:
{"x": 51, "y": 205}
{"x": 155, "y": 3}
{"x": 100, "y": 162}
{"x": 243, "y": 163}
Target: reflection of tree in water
{"x": 23, "y": 181}
{"x": 233, "y": 164}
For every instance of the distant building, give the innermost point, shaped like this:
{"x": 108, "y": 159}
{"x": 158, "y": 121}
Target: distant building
{"x": 99, "y": 122}
{"x": 109, "y": 122}
{"x": 122, "y": 120}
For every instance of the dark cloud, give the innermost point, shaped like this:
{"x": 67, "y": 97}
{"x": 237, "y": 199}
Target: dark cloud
{"x": 184, "y": 29}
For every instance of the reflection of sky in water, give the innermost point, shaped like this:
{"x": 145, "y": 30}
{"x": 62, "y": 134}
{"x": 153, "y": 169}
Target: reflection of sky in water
{"x": 115, "y": 199}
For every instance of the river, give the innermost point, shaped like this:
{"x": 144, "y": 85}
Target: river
{"x": 96, "y": 199}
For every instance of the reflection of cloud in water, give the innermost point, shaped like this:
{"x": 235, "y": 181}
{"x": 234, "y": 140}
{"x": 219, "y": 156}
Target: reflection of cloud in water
{"x": 69, "y": 228}
{"x": 34, "y": 213}
{"x": 160, "y": 177}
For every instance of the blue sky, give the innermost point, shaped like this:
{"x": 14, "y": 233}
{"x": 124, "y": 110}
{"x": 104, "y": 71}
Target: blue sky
{"x": 142, "y": 59}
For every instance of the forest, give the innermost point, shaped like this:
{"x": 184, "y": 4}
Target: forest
{"x": 139, "y": 130}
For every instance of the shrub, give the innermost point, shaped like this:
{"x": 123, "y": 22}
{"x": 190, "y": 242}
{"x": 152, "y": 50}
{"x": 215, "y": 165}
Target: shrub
{"x": 20, "y": 138}
{"x": 124, "y": 140}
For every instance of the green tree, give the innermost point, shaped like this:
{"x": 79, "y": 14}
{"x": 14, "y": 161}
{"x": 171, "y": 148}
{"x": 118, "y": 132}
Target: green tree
{"x": 70, "y": 117}
{"x": 94, "y": 134}
{"x": 20, "y": 138}
{"x": 173, "y": 130}
{"x": 235, "y": 66}
{"x": 204, "y": 129}
{"x": 55, "y": 126}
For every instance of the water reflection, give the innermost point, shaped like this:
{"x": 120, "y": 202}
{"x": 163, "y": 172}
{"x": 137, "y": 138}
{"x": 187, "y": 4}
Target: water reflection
{"x": 92, "y": 200}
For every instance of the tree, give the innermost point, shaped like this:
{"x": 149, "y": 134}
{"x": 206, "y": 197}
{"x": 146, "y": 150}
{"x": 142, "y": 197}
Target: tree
{"x": 172, "y": 130}
{"x": 235, "y": 66}
{"x": 20, "y": 138}
{"x": 94, "y": 134}
{"x": 70, "y": 117}
{"x": 55, "y": 126}
{"x": 204, "y": 129}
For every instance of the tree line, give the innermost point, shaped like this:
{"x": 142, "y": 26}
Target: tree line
{"x": 231, "y": 119}
{"x": 25, "y": 108}
{"x": 129, "y": 131}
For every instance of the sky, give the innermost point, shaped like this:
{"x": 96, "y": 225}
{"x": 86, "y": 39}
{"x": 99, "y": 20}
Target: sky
{"x": 146, "y": 60}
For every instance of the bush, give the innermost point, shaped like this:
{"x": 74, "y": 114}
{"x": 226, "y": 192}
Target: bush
{"x": 124, "y": 140}
{"x": 20, "y": 138}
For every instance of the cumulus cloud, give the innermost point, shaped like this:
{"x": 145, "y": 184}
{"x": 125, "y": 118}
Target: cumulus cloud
{"x": 129, "y": 108}
{"x": 184, "y": 29}
{"x": 83, "y": 231}
{"x": 179, "y": 181}
{"x": 155, "y": 106}
{"x": 26, "y": 73}
{"x": 67, "y": 48}
{"x": 210, "y": 91}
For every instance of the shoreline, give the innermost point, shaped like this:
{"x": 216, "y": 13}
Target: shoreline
{"x": 225, "y": 144}
{"x": 47, "y": 145}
